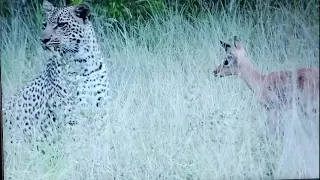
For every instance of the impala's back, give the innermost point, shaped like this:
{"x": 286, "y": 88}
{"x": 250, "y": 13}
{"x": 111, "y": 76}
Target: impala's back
{"x": 282, "y": 83}
{"x": 308, "y": 80}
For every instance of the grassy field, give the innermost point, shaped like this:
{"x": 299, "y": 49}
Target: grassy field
{"x": 169, "y": 117}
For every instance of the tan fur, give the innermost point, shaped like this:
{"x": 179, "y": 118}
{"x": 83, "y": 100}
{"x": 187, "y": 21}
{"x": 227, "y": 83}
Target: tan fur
{"x": 277, "y": 89}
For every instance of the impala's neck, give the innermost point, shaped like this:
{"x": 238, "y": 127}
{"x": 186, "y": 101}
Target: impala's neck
{"x": 250, "y": 75}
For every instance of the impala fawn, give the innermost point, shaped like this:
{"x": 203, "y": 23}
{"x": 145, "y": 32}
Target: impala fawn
{"x": 276, "y": 90}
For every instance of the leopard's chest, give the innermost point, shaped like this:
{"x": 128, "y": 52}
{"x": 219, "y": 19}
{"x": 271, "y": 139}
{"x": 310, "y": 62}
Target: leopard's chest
{"x": 86, "y": 87}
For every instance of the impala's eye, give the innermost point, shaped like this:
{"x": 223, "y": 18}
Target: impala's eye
{"x": 225, "y": 63}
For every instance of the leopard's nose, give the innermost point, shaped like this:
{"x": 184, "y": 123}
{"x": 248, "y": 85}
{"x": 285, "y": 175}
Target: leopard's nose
{"x": 45, "y": 40}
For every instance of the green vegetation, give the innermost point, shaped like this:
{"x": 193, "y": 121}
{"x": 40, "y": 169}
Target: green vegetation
{"x": 75, "y": 2}
{"x": 133, "y": 10}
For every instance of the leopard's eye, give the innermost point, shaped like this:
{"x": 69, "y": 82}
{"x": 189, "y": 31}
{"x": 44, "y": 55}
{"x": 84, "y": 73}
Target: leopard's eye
{"x": 225, "y": 63}
{"x": 61, "y": 24}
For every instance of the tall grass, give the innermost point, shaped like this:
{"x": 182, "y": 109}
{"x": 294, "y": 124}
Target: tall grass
{"x": 169, "y": 118}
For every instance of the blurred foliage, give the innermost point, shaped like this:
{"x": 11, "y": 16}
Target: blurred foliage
{"x": 74, "y": 2}
{"x": 129, "y": 9}
{"x": 133, "y": 10}
{"x": 4, "y": 8}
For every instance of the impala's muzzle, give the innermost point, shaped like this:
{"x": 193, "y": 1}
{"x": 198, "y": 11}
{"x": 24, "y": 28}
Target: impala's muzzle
{"x": 215, "y": 73}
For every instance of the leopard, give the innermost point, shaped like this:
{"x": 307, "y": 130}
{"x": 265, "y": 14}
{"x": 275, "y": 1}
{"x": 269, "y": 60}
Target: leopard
{"x": 75, "y": 76}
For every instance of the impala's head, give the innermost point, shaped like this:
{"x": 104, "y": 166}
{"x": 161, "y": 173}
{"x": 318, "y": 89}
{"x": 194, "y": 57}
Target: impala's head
{"x": 230, "y": 65}
{"x": 66, "y": 29}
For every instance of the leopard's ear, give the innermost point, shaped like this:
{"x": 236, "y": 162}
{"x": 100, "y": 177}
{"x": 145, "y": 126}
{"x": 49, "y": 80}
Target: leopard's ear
{"x": 47, "y": 7}
{"x": 82, "y": 11}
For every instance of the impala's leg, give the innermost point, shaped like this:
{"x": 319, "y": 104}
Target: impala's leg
{"x": 271, "y": 121}
{"x": 274, "y": 123}
{"x": 271, "y": 128}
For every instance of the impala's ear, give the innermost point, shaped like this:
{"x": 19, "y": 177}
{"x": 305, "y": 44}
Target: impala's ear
{"x": 82, "y": 11}
{"x": 47, "y": 7}
{"x": 225, "y": 46}
{"x": 237, "y": 43}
